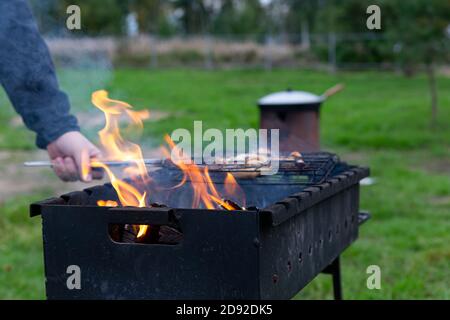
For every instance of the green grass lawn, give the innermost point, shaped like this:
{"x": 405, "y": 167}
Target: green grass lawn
{"x": 380, "y": 120}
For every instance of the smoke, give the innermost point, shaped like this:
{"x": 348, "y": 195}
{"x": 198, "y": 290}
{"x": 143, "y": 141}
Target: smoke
{"x": 83, "y": 64}
{"x": 82, "y": 71}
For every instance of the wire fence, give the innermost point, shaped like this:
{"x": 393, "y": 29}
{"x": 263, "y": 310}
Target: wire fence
{"x": 331, "y": 51}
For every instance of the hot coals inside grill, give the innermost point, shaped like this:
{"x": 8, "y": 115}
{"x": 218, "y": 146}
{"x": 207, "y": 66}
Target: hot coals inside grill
{"x": 292, "y": 226}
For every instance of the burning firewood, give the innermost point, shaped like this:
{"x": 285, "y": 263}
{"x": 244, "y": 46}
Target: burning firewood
{"x": 226, "y": 204}
{"x": 169, "y": 235}
{"x": 155, "y": 234}
{"x": 129, "y": 233}
{"x": 157, "y": 205}
{"x": 115, "y": 232}
{"x": 233, "y": 204}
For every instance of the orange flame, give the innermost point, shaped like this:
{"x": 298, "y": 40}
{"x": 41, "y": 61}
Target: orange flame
{"x": 222, "y": 203}
{"x": 234, "y": 190}
{"x": 116, "y": 148}
{"x": 107, "y": 203}
{"x": 204, "y": 189}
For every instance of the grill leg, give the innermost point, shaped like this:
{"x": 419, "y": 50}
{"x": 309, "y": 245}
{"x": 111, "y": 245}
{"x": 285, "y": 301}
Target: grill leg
{"x": 335, "y": 270}
{"x": 337, "y": 286}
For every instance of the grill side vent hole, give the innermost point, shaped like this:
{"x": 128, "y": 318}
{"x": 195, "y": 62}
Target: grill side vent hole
{"x": 275, "y": 278}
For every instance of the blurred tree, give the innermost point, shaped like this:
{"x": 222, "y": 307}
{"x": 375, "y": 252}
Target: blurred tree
{"x": 416, "y": 27}
{"x": 347, "y": 16}
{"x": 148, "y": 14}
{"x": 153, "y": 16}
{"x": 355, "y": 44}
{"x": 99, "y": 17}
{"x": 192, "y": 14}
{"x": 239, "y": 17}
{"x": 420, "y": 29}
{"x": 302, "y": 18}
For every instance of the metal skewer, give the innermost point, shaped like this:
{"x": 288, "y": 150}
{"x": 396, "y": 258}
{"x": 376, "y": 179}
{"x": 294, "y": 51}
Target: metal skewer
{"x": 286, "y": 163}
{"x": 217, "y": 167}
{"x": 148, "y": 162}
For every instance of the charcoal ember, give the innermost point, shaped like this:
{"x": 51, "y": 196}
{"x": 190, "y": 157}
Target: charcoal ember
{"x": 233, "y": 204}
{"x": 115, "y": 232}
{"x": 169, "y": 235}
{"x": 129, "y": 234}
{"x": 150, "y": 236}
{"x": 157, "y": 205}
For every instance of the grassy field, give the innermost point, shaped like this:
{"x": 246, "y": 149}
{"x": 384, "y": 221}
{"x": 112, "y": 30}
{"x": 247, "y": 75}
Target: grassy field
{"x": 380, "y": 120}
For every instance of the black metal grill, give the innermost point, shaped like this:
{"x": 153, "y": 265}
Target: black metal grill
{"x": 268, "y": 253}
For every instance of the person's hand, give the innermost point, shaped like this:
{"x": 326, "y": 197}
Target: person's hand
{"x": 71, "y": 154}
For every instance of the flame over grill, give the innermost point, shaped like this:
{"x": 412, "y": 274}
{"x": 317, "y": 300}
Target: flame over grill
{"x": 117, "y": 148}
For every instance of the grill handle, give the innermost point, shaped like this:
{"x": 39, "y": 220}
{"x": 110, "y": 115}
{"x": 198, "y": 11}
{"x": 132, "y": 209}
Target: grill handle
{"x": 36, "y": 207}
{"x": 130, "y": 215}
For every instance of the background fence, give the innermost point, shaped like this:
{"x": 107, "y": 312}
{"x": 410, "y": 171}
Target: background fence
{"x": 321, "y": 51}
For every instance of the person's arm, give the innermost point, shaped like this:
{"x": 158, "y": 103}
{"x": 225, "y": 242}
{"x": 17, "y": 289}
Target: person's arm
{"x": 28, "y": 77}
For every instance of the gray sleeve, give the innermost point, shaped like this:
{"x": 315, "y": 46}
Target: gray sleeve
{"x": 28, "y": 75}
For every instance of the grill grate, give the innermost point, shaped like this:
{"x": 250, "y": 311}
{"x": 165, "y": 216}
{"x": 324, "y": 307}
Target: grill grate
{"x": 315, "y": 168}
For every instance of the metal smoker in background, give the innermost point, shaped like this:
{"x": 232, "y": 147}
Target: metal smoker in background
{"x": 296, "y": 115}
